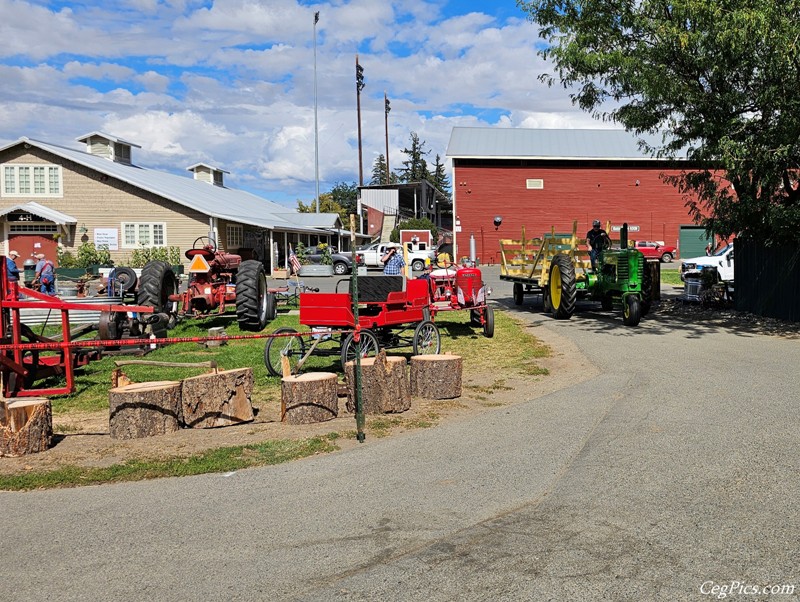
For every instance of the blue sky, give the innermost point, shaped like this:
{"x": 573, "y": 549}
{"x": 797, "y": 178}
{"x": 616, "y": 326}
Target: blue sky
{"x": 230, "y": 82}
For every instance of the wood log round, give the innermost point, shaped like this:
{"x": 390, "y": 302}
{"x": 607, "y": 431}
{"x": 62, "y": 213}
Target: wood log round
{"x": 26, "y": 426}
{"x": 384, "y": 384}
{"x": 144, "y": 409}
{"x": 309, "y": 398}
{"x": 436, "y": 376}
{"x": 217, "y": 399}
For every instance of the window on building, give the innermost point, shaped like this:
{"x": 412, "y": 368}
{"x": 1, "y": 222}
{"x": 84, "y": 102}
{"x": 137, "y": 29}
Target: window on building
{"x": 31, "y": 180}
{"x": 144, "y": 235}
{"x": 235, "y": 236}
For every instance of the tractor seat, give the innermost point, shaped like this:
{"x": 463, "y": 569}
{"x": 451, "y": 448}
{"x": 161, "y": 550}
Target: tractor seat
{"x": 207, "y": 253}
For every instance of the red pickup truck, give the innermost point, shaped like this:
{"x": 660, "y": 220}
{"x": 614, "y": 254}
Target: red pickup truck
{"x": 654, "y": 250}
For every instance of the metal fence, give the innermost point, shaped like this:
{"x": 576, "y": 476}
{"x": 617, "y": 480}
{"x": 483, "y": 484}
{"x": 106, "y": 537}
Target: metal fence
{"x": 767, "y": 279}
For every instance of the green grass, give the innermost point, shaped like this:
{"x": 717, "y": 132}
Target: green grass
{"x": 672, "y": 277}
{"x": 223, "y": 459}
{"x": 513, "y": 350}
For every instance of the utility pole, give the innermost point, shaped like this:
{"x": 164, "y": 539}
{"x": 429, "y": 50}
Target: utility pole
{"x": 387, "y": 108}
{"x": 316, "y": 125}
{"x": 359, "y": 86}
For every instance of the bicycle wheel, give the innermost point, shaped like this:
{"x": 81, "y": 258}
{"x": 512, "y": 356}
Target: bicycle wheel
{"x": 293, "y": 348}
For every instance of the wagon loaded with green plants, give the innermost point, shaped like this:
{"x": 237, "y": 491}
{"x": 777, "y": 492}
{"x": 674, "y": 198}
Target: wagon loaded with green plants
{"x": 557, "y": 267}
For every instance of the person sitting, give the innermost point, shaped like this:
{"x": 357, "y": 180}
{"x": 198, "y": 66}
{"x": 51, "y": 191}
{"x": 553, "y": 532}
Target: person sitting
{"x": 393, "y": 262}
{"x": 595, "y": 239}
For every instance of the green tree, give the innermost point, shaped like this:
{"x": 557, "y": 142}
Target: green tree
{"x": 326, "y": 205}
{"x": 379, "y": 172}
{"x": 415, "y": 224}
{"x": 719, "y": 79}
{"x": 415, "y": 168}
{"x": 439, "y": 177}
{"x": 346, "y": 196}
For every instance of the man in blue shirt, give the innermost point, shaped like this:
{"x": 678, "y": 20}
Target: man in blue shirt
{"x": 12, "y": 271}
{"x": 45, "y": 275}
{"x": 393, "y": 262}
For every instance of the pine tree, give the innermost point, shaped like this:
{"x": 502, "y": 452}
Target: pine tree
{"x": 415, "y": 168}
{"x": 378, "y": 171}
{"x": 439, "y": 177}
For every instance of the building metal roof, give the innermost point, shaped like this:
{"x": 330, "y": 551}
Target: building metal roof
{"x": 215, "y": 201}
{"x": 521, "y": 143}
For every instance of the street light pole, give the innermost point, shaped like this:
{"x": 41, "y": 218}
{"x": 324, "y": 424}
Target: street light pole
{"x": 316, "y": 125}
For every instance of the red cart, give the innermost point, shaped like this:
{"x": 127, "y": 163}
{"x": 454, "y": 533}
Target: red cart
{"x": 392, "y": 313}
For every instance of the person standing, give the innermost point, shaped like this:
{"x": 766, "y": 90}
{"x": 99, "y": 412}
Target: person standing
{"x": 594, "y": 238}
{"x": 12, "y": 271}
{"x": 45, "y": 275}
{"x": 392, "y": 260}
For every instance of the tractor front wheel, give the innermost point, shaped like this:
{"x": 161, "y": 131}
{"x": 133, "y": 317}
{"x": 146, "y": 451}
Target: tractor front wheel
{"x": 563, "y": 293}
{"x": 519, "y": 293}
{"x": 252, "y": 302}
{"x": 631, "y": 310}
{"x": 488, "y": 323}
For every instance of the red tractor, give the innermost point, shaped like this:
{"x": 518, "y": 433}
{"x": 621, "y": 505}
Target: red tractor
{"x": 216, "y": 281}
{"x": 456, "y": 287}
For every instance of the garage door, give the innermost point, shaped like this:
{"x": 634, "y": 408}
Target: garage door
{"x": 692, "y": 241}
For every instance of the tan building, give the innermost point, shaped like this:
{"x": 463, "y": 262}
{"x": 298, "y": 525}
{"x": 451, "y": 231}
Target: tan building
{"x": 53, "y": 196}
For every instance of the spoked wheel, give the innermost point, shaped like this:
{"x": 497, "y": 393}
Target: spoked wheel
{"x": 563, "y": 293}
{"x": 252, "y": 299}
{"x": 293, "y": 348}
{"x": 631, "y": 310}
{"x": 519, "y": 293}
{"x": 426, "y": 339}
{"x": 488, "y": 324}
{"x": 369, "y": 347}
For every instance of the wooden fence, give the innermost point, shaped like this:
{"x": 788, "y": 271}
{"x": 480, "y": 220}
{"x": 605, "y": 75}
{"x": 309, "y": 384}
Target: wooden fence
{"x": 767, "y": 279}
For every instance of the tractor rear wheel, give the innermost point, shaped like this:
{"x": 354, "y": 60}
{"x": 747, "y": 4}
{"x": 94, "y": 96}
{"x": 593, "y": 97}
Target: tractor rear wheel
{"x": 156, "y": 284}
{"x": 252, "y": 303}
{"x": 563, "y": 293}
{"x": 631, "y": 310}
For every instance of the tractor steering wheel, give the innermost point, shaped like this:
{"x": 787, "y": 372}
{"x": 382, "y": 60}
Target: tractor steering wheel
{"x": 604, "y": 242}
{"x": 207, "y": 250}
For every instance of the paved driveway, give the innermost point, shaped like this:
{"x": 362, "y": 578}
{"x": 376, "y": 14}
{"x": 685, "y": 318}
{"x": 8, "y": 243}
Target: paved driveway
{"x": 675, "y": 466}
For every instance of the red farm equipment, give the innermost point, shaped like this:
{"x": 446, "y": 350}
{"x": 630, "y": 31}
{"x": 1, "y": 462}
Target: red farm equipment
{"x": 217, "y": 280}
{"x": 461, "y": 287}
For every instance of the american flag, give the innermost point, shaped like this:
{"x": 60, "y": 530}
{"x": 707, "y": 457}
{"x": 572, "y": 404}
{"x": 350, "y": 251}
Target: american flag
{"x": 293, "y": 261}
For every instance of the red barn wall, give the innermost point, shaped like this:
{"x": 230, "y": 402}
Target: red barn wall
{"x": 569, "y": 193}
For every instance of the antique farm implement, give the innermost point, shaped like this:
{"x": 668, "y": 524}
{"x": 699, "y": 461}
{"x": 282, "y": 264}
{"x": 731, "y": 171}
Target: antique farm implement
{"x": 558, "y": 267}
{"x": 456, "y": 287}
{"x": 392, "y": 313}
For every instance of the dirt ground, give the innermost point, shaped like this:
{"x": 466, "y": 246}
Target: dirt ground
{"x": 82, "y": 439}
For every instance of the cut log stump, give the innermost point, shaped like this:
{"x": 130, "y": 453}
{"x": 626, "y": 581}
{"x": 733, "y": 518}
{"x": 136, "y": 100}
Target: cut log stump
{"x": 144, "y": 409}
{"x": 436, "y": 376}
{"x": 384, "y": 384}
{"x": 309, "y": 398}
{"x": 217, "y": 399}
{"x": 26, "y": 426}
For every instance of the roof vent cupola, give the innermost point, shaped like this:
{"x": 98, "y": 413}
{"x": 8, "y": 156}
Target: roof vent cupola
{"x": 109, "y": 147}
{"x": 208, "y": 173}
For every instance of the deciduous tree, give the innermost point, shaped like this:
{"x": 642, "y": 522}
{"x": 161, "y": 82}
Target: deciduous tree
{"x": 719, "y": 80}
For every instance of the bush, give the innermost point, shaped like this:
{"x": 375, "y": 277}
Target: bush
{"x": 141, "y": 257}
{"x": 89, "y": 255}
{"x": 415, "y": 224}
{"x": 65, "y": 259}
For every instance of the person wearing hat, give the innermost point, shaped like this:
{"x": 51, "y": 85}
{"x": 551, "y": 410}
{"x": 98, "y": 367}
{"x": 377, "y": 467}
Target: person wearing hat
{"x": 12, "y": 271}
{"x": 45, "y": 275}
{"x": 392, "y": 260}
{"x": 594, "y": 238}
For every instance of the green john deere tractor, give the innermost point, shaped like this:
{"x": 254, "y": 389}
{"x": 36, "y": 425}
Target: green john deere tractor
{"x": 621, "y": 281}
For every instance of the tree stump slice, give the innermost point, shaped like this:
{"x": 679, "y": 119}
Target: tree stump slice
{"x": 384, "y": 384}
{"x": 26, "y": 426}
{"x": 145, "y": 409}
{"x": 309, "y": 398}
{"x": 436, "y": 376}
{"x": 217, "y": 399}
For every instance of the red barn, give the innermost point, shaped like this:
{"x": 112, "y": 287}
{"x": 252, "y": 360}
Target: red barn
{"x": 538, "y": 179}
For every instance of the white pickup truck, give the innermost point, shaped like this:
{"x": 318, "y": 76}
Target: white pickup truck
{"x": 721, "y": 259}
{"x": 416, "y": 255}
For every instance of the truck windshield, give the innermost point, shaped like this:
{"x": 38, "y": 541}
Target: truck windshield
{"x": 722, "y": 251}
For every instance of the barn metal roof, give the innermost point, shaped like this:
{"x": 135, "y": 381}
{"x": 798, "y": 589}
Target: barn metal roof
{"x": 520, "y": 143}
{"x": 215, "y": 201}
